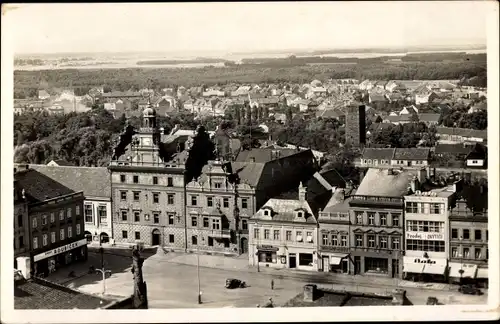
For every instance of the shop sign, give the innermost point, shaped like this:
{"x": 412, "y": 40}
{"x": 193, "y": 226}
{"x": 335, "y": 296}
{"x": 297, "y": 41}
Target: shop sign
{"x": 59, "y": 250}
{"x": 426, "y": 236}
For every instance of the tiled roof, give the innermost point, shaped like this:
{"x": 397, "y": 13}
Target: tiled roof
{"x": 62, "y": 163}
{"x": 93, "y": 181}
{"x": 466, "y": 132}
{"x": 41, "y": 294}
{"x": 411, "y": 153}
{"x": 263, "y": 155}
{"x": 376, "y": 127}
{"x": 284, "y": 210}
{"x": 452, "y": 149}
{"x": 338, "y": 203}
{"x": 378, "y": 153}
{"x": 428, "y": 117}
{"x": 380, "y": 182}
{"x": 249, "y": 173}
{"x": 329, "y": 113}
{"x": 39, "y": 187}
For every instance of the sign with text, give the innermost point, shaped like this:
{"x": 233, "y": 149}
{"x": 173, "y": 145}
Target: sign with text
{"x": 426, "y": 236}
{"x": 60, "y": 250}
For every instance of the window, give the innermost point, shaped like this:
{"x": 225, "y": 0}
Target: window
{"x": 454, "y": 252}
{"x": 266, "y": 234}
{"x": 170, "y": 182}
{"x": 124, "y": 234}
{"x": 194, "y": 221}
{"x": 268, "y": 257}
{"x": 305, "y": 259}
{"x": 21, "y": 242}
{"x": 61, "y": 215}
{"x": 194, "y": 240}
{"x": 122, "y": 178}
{"x": 276, "y": 235}
{"x": 156, "y": 218}
{"x": 244, "y": 224}
{"x": 136, "y": 179}
{"x": 225, "y": 202}
{"x": 45, "y": 239}
{"x": 477, "y": 253}
{"x": 124, "y": 215}
{"x": 411, "y": 207}
{"x": 466, "y": 234}
{"x": 334, "y": 240}
{"x": 155, "y": 180}
{"x": 226, "y": 243}
{"x": 123, "y": 195}
{"x": 78, "y": 229}
{"x": 435, "y": 208}
{"x": 210, "y": 241}
{"x": 343, "y": 240}
{"x": 217, "y": 185}
{"x": 325, "y": 239}
{"x": 244, "y": 203}
{"x": 170, "y": 219}
{"x": 288, "y": 235}
{"x": 137, "y": 216}
{"x": 210, "y": 201}
{"x": 61, "y": 234}
{"x": 137, "y": 195}
{"x": 70, "y": 232}
{"x": 44, "y": 219}
{"x": 256, "y": 233}
{"x": 77, "y": 210}
{"x": 395, "y": 219}
{"x": 477, "y": 235}
{"x": 205, "y": 222}
{"x": 53, "y": 217}
{"x": 170, "y": 199}
{"x": 156, "y": 197}
{"x": 194, "y": 200}
{"x": 299, "y": 236}
{"x": 466, "y": 253}
{"x": 359, "y": 240}
{"x": 34, "y": 222}
{"x": 454, "y": 233}
{"x": 383, "y": 219}
{"x": 395, "y": 243}
{"x": 137, "y": 235}
{"x": 426, "y": 246}
{"x": 371, "y": 241}
{"x": 215, "y": 224}
{"x": 171, "y": 238}
{"x": 383, "y": 242}
{"x": 486, "y": 235}
{"x": 35, "y": 243}
{"x": 359, "y": 218}
{"x": 69, "y": 213}
{"x": 52, "y": 237}
{"x": 371, "y": 218}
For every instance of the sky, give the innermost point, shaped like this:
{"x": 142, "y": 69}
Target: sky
{"x": 241, "y": 27}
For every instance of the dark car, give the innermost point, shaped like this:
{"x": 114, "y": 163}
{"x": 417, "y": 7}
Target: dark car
{"x": 469, "y": 290}
{"x": 235, "y": 283}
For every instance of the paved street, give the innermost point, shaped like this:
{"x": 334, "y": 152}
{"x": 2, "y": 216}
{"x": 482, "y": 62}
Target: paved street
{"x": 174, "y": 285}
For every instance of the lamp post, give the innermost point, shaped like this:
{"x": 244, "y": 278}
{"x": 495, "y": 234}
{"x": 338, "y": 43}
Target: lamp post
{"x": 198, "y": 274}
{"x": 103, "y": 279}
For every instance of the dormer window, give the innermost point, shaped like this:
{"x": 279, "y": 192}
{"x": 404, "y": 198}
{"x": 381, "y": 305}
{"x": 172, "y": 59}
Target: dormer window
{"x": 267, "y": 212}
{"x": 300, "y": 214}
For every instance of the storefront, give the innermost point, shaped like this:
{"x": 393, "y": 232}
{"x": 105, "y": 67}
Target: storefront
{"x": 336, "y": 262}
{"x": 424, "y": 269}
{"x": 268, "y": 256}
{"x": 52, "y": 260}
{"x": 482, "y": 277}
{"x": 462, "y": 272}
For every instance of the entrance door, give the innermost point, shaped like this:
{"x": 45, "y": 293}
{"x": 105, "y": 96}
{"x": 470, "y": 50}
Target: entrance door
{"x": 326, "y": 264}
{"x": 244, "y": 245}
{"x": 345, "y": 265}
{"x": 156, "y": 238}
{"x": 292, "y": 261}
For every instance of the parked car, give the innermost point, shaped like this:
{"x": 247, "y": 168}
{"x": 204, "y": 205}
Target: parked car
{"x": 469, "y": 290}
{"x": 235, "y": 283}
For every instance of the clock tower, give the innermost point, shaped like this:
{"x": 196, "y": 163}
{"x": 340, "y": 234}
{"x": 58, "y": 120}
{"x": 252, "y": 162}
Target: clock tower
{"x": 145, "y": 143}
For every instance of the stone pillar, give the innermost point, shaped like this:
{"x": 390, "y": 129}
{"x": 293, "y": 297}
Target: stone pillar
{"x": 309, "y": 293}
{"x": 24, "y": 265}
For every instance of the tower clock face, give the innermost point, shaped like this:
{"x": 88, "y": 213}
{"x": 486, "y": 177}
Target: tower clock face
{"x": 146, "y": 141}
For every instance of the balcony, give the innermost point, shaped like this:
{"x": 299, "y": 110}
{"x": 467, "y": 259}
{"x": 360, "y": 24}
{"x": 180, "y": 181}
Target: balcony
{"x": 222, "y": 233}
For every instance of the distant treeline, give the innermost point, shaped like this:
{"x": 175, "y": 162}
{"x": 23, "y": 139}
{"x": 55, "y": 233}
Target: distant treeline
{"x": 200, "y": 60}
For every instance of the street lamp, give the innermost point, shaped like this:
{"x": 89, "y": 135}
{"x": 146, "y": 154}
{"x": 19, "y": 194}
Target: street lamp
{"x": 198, "y": 272}
{"x": 103, "y": 279}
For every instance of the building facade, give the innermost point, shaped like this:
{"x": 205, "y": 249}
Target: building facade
{"x": 147, "y": 193}
{"x": 21, "y": 223}
{"x": 283, "y": 235}
{"x": 468, "y": 253}
{"x": 426, "y": 234}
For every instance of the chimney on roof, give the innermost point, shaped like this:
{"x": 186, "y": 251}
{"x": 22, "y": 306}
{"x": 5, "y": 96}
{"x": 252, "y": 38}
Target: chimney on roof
{"x": 302, "y": 192}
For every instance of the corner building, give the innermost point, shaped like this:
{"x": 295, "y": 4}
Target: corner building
{"x": 147, "y": 189}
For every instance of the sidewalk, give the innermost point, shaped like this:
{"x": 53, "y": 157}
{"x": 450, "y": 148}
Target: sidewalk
{"x": 241, "y": 264}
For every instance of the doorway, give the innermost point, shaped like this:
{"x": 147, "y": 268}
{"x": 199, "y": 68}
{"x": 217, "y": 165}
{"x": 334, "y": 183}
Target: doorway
{"x": 156, "y": 238}
{"x": 292, "y": 260}
{"x": 345, "y": 266}
{"x": 326, "y": 264}
{"x": 244, "y": 245}
{"x": 104, "y": 237}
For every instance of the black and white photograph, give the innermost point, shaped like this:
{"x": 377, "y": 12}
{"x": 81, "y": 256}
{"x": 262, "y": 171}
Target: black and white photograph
{"x": 203, "y": 159}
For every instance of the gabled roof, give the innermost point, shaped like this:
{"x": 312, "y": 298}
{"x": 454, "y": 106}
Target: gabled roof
{"x": 93, "y": 181}
{"x": 39, "y": 187}
{"x": 284, "y": 210}
{"x": 411, "y": 154}
{"x": 378, "y": 153}
{"x": 248, "y": 172}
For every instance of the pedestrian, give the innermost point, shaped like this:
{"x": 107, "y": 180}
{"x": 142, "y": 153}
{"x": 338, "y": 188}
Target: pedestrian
{"x": 272, "y": 284}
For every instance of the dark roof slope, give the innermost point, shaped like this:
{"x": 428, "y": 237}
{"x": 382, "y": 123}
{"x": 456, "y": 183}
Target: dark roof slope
{"x": 39, "y": 187}
{"x": 378, "y": 153}
{"x": 411, "y": 153}
{"x": 452, "y": 149}
{"x": 263, "y": 155}
{"x": 93, "y": 181}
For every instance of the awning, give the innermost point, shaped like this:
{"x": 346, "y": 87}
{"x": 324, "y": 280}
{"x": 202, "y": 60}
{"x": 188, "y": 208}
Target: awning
{"x": 264, "y": 248}
{"x": 469, "y": 270}
{"x": 336, "y": 258}
{"x": 482, "y": 273}
{"x": 434, "y": 268}
{"x": 413, "y": 267}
